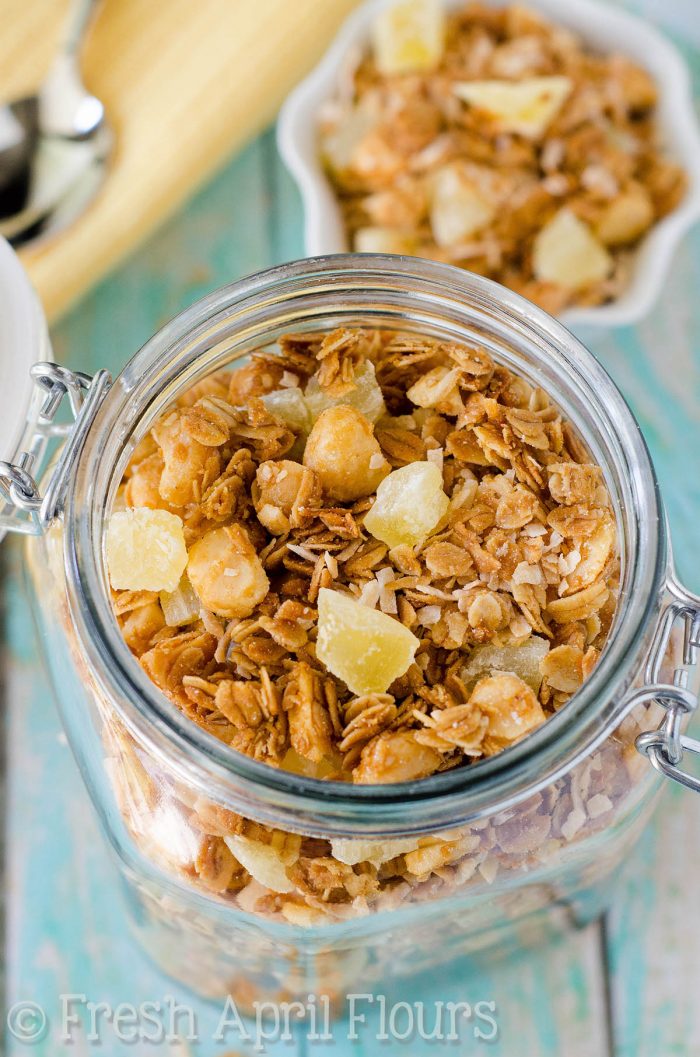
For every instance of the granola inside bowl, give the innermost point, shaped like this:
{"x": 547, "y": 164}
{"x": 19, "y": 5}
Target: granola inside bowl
{"x": 366, "y": 556}
{"x": 554, "y": 149}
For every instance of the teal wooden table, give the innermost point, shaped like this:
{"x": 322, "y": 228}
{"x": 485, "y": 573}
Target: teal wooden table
{"x": 626, "y": 987}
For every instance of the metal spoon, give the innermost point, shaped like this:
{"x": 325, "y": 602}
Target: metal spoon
{"x": 53, "y": 146}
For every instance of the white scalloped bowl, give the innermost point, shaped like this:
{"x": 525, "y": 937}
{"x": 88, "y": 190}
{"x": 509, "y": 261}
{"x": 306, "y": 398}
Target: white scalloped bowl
{"x": 605, "y": 29}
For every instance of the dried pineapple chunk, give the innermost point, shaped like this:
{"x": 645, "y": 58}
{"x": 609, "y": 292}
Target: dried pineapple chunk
{"x": 409, "y": 37}
{"x": 290, "y": 407}
{"x": 385, "y": 240}
{"x": 410, "y": 503}
{"x": 262, "y": 863}
{"x": 523, "y": 661}
{"x": 352, "y": 852}
{"x": 339, "y": 148}
{"x": 364, "y": 647}
{"x": 366, "y": 396}
{"x": 627, "y": 216}
{"x": 527, "y": 107}
{"x": 180, "y": 606}
{"x": 457, "y": 209}
{"x": 296, "y": 764}
{"x": 145, "y": 550}
{"x": 567, "y": 252}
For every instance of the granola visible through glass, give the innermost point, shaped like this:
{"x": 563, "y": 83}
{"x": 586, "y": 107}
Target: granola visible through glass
{"x": 365, "y": 556}
{"x": 492, "y": 139}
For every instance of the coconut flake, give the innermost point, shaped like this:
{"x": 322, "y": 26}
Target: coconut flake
{"x": 534, "y": 529}
{"x": 552, "y": 154}
{"x": 302, "y": 552}
{"x": 598, "y": 805}
{"x": 556, "y": 184}
{"x": 426, "y": 589}
{"x": 527, "y": 574}
{"x": 459, "y": 594}
{"x": 387, "y": 596}
{"x": 437, "y": 456}
{"x": 331, "y": 564}
{"x": 519, "y": 627}
{"x": 262, "y": 862}
{"x": 600, "y": 180}
{"x": 428, "y": 615}
{"x": 554, "y": 541}
{"x": 489, "y": 869}
{"x": 568, "y": 562}
{"x": 573, "y": 823}
{"x": 369, "y": 595}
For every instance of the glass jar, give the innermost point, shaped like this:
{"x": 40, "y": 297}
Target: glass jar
{"x": 385, "y": 876}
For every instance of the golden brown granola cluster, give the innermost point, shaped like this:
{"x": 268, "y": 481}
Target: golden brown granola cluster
{"x": 269, "y": 473}
{"x": 499, "y": 143}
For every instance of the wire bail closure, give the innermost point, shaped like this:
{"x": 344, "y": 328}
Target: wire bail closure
{"x": 665, "y": 747}
{"x": 22, "y": 507}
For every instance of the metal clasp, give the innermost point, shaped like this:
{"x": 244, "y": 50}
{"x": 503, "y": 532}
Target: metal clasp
{"x": 22, "y": 508}
{"x": 666, "y": 745}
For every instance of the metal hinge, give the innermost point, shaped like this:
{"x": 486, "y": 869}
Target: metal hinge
{"x": 22, "y": 507}
{"x": 665, "y": 746}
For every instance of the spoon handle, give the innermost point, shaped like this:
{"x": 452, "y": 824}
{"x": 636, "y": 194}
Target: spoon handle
{"x": 66, "y": 109}
{"x": 79, "y": 16}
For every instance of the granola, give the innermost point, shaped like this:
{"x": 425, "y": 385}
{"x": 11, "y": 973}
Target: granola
{"x": 373, "y": 602}
{"x": 494, "y": 140}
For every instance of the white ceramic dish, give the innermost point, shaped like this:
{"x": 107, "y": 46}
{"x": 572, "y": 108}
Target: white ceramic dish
{"x": 23, "y": 341}
{"x": 605, "y": 29}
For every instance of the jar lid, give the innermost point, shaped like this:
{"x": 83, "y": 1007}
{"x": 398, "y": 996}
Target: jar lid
{"x": 23, "y": 342}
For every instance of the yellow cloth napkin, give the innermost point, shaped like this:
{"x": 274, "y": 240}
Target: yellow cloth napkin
{"x": 184, "y": 83}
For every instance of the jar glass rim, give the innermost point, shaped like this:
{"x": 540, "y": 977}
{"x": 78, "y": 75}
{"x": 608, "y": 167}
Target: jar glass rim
{"x": 423, "y": 293}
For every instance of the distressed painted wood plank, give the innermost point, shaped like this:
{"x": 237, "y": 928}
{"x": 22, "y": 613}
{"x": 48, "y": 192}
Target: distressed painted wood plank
{"x": 546, "y": 1001}
{"x": 653, "y": 937}
{"x": 222, "y": 235}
